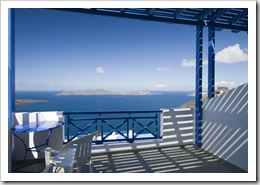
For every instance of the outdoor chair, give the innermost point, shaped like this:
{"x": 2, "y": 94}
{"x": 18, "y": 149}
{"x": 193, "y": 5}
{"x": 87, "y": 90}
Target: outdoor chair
{"x": 73, "y": 156}
{"x": 53, "y": 168}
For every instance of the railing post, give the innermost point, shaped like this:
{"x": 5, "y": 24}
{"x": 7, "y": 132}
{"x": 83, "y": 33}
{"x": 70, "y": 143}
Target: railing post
{"x": 68, "y": 126}
{"x": 132, "y": 139}
{"x": 96, "y": 120}
{"x": 102, "y": 130}
{"x": 199, "y": 54}
{"x": 156, "y": 124}
{"x": 161, "y": 123}
{"x": 211, "y": 61}
{"x": 127, "y": 127}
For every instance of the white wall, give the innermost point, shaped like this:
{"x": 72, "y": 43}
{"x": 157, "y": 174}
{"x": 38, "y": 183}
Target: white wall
{"x": 225, "y": 126}
{"x": 176, "y": 129}
{"x": 34, "y": 139}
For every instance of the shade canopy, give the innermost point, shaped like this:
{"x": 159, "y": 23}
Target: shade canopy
{"x": 235, "y": 19}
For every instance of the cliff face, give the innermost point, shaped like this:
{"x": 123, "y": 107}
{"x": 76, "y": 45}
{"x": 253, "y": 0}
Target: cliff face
{"x": 221, "y": 90}
{"x": 22, "y": 102}
{"x": 191, "y": 103}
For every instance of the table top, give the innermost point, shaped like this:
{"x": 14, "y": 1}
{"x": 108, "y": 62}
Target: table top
{"x": 37, "y": 126}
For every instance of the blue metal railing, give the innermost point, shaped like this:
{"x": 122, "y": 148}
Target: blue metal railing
{"x": 113, "y": 125}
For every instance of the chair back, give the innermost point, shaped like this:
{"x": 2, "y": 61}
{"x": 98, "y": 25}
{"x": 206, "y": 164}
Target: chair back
{"x": 82, "y": 146}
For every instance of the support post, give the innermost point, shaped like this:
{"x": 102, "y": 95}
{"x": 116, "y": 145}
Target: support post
{"x": 11, "y": 81}
{"x": 211, "y": 61}
{"x": 198, "y": 100}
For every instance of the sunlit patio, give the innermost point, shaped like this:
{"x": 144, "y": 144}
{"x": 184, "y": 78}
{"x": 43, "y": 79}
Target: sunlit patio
{"x": 176, "y": 159}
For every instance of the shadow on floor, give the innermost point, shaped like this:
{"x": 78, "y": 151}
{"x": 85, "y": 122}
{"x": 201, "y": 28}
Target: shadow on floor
{"x": 179, "y": 159}
{"x": 185, "y": 159}
{"x": 29, "y": 166}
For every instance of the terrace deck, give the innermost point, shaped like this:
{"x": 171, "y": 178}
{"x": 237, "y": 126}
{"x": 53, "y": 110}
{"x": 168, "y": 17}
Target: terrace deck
{"x": 177, "y": 159}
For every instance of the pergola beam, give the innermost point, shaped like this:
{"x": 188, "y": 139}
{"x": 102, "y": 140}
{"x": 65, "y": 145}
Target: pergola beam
{"x": 173, "y": 16}
{"x": 198, "y": 99}
{"x": 211, "y": 61}
{"x": 11, "y": 77}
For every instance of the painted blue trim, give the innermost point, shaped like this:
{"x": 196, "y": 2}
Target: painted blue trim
{"x": 198, "y": 99}
{"x": 211, "y": 62}
{"x": 11, "y": 64}
{"x": 189, "y": 16}
{"x": 106, "y": 123}
{"x": 11, "y": 81}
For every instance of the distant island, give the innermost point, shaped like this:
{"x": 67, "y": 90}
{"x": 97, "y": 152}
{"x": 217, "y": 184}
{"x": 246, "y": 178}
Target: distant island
{"x": 101, "y": 92}
{"x": 22, "y": 102}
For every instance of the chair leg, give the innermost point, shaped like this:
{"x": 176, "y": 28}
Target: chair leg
{"x": 48, "y": 169}
{"x": 53, "y": 168}
{"x": 79, "y": 169}
{"x": 90, "y": 167}
{"x": 47, "y": 156}
{"x": 68, "y": 169}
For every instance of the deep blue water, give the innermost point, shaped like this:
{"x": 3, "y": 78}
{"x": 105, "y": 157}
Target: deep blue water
{"x": 164, "y": 99}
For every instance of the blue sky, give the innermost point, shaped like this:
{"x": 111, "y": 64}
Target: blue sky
{"x": 58, "y": 50}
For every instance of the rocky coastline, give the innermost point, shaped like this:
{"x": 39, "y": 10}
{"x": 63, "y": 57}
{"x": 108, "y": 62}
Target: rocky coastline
{"x": 191, "y": 103}
{"x": 22, "y": 102}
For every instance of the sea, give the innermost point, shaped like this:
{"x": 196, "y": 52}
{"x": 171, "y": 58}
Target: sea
{"x": 98, "y": 103}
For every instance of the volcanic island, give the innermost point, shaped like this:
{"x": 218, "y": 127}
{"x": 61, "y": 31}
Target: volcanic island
{"x": 102, "y": 92}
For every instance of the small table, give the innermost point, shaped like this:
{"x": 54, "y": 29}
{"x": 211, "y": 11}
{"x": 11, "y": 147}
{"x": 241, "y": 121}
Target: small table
{"x": 35, "y": 127}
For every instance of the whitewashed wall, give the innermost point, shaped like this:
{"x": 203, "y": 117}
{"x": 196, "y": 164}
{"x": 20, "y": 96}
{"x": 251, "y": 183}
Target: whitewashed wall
{"x": 225, "y": 126}
{"x": 34, "y": 139}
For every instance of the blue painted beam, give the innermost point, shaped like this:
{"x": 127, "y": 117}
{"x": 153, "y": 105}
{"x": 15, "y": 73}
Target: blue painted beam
{"x": 11, "y": 64}
{"x": 211, "y": 61}
{"x": 198, "y": 99}
{"x": 11, "y": 75}
{"x": 187, "y": 16}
